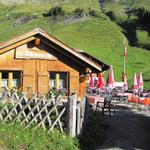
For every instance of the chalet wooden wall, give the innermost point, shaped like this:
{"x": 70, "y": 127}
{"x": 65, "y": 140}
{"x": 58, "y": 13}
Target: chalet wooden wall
{"x": 35, "y": 72}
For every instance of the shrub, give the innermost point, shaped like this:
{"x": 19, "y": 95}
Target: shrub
{"x": 55, "y": 11}
{"x": 92, "y": 12}
{"x": 79, "y": 12}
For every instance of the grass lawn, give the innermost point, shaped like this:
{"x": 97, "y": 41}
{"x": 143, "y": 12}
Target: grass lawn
{"x": 16, "y": 137}
{"x": 143, "y": 38}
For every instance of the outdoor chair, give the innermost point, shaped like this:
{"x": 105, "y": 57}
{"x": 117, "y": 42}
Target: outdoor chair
{"x": 106, "y": 104}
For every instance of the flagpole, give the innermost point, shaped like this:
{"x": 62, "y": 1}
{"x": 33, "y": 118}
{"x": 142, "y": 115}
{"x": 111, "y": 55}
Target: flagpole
{"x": 124, "y": 63}
{"x": 124, "y": 66}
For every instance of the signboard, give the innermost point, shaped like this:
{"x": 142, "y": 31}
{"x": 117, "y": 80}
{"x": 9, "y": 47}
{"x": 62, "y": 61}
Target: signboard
{"x": 23, "y": 52}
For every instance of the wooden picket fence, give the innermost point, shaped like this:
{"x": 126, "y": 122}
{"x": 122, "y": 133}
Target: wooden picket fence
{"x": 35, "y": 112}
{"x": 69, "y": 116}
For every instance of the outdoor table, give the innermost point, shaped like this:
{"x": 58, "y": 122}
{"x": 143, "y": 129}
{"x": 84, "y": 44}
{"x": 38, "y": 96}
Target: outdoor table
{"x": 94, "y": 99}
{"x": 123, "y": 96}
{"x": 136, "y": 99}
{"x": 133, "y": 99}
{"x": 141, "y": 100}
{"x": 147, "y": 101}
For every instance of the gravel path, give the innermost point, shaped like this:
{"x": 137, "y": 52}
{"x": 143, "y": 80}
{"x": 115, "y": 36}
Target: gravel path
{"x": 127, "y": 129}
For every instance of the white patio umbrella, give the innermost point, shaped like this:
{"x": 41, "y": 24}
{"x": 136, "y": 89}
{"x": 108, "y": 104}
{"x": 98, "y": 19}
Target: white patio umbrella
{"x": 125, "y": 84}
{"x": 135, "y": 84}
{"x": 140, "y": 82}
{"x": 110, "y": 79}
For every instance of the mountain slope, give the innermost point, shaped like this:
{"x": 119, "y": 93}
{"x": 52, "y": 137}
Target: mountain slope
{"x": 96, "y": 35}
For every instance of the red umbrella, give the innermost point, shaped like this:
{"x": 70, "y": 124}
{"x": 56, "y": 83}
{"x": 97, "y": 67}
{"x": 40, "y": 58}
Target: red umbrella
{"x": 135, "y": 84}
{"x": 100, "y": 81}
{"x": 91, "y": 84}
{"x": 110, "y": 78}
{"x": 125, "y": 84}
{"x": 140, "y": 82}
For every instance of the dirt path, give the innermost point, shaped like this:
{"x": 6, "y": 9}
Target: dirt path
{"x": 128, "y": 129}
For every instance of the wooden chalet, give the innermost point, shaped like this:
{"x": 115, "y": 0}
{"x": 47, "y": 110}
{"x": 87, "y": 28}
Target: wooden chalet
{"x": 37, "y": 62}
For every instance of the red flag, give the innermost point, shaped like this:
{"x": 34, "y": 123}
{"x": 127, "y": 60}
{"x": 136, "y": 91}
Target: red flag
{"x": 125, "y": 51}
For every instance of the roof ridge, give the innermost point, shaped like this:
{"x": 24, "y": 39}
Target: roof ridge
{"x": 38, "y": 30}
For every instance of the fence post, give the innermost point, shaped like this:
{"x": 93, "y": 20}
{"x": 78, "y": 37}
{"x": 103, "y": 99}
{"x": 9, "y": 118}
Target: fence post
{"x": 82, "y": 113}
{"x": 78, "y": 118}
{"x": 72, "y": 102}
{"x": 86, "y": 110}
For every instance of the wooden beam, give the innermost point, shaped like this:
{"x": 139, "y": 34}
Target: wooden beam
{"x": 14, "y": 45}
{"x": 10, "y": 80}
{"x": 57, "y": 81}
{"x": 11, "y": 68}
{"x": 0, "y": 80}
{"x": 37, "y": 41}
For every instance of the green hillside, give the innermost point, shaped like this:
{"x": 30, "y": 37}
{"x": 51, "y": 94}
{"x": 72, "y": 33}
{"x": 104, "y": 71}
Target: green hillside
{"x": 98, "y": 36}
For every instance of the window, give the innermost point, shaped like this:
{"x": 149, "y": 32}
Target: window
{"x": 4, "y": 82}
{"x": 16, "y": 79}
{"x": 62, "y": 82}
{"x": 12, "y": 79}
{"x": 62, "y": 78}
{"x": 52, "y": 80}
